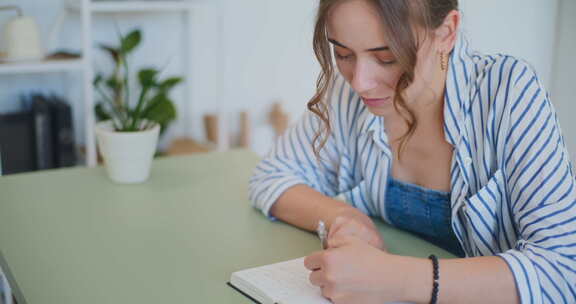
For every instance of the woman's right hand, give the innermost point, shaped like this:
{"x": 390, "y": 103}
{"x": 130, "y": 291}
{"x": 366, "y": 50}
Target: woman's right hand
{"x": 349, "y": 221}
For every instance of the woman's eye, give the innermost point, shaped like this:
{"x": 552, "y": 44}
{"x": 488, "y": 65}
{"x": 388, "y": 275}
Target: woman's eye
{"x": 342, "y": 57}
{"x": 386, "y": 62}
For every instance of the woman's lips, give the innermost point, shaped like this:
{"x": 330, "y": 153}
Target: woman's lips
{"x": 375, "y": 102}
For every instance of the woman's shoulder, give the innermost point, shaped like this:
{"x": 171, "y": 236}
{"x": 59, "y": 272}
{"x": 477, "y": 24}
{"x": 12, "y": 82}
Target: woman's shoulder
{"x": 506, "y": 90}
{"x": 501, "y": 84}
{"x": 493, "y": 89}
{"x": 501, "y": 73}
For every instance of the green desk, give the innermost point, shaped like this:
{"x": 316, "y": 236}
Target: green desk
{"x": 72, "y": 236}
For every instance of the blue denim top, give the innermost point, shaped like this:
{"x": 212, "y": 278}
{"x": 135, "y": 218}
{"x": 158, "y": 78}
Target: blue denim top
{"x": 425, "y": 212}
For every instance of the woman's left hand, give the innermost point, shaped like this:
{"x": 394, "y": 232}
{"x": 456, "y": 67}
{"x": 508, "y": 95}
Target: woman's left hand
{"x": 352, "y": 271}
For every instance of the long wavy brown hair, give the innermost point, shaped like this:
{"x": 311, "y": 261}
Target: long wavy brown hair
{"x": 399, "y": 18}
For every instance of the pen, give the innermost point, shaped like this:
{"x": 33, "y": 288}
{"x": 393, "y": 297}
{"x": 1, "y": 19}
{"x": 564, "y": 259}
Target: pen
{"x": 322, "y": 234}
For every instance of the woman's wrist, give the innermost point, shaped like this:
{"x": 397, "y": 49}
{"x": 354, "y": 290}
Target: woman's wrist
{"x": 400, "y": 286}
{"x": 418, "y": 281}
{"x": 327, "y": 212}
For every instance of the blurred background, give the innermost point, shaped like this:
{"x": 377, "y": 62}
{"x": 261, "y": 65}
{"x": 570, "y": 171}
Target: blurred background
{"x": 248, "y": 65}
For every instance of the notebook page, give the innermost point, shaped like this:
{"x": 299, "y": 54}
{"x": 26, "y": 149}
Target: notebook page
{"x": 285, "y": 282}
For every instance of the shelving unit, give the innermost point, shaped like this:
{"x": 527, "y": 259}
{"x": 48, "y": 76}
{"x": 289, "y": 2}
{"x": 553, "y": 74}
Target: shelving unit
{"x": 45, "y": 66}
{"x": 90, "y": 9}
{"x": 81, "y": 65}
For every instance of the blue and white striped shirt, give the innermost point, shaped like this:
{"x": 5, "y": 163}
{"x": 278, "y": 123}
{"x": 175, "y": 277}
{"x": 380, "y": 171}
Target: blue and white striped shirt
{"x": 512, "y": 185}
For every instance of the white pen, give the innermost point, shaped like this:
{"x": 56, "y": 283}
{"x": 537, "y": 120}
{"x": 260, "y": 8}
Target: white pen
{"x": 322, "y": 234}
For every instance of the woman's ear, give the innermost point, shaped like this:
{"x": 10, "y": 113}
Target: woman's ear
{"x": 447, "y": 32}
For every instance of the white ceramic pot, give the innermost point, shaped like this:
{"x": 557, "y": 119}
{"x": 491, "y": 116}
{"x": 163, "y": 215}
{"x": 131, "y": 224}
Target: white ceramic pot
{"x": 127, "y": 155}
{"x": 22, "y": 38}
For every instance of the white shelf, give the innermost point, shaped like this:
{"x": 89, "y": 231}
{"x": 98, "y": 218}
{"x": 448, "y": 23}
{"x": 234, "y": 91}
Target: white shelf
{"x": 45, "y": 66}
{"x": 127, "y": 6}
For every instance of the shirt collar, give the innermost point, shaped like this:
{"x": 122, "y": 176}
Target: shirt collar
{"x": 459, "y": 78}
{"x": 369, "y": 122}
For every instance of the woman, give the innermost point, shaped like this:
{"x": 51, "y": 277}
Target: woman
{"x": 461, "y": 148}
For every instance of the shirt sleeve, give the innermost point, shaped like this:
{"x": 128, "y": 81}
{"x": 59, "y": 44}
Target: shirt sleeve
{"x": 292, "y": 160}
{"x": 542, "y": 196}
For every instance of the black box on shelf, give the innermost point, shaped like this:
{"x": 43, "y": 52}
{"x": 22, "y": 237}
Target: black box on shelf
{"x": 41, "y": 113}
{"x": 39, "y": 138}
{"x": 17, "y": 144}
{"x": 63, "y": 133}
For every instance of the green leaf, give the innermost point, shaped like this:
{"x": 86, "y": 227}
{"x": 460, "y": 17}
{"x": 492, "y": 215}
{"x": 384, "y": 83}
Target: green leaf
{"x": 161, "y": 110}
{"x": 170, "y": 83}
{"x": 130, "y": 41}
{"x": 112, "y": 51}
{"x": 147, "y": 77}
{"x": 156, "y": 108}
{"x": 101, "y": 113}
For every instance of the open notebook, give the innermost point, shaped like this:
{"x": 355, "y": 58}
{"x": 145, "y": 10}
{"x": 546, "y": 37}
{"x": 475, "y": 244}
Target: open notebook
{"x": 280, "y": 283}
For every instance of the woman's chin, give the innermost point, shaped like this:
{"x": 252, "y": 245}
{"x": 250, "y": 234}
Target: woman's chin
{"x": 381, "y": 111}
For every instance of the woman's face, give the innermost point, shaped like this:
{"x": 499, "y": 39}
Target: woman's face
{"x": 364, "y": 59}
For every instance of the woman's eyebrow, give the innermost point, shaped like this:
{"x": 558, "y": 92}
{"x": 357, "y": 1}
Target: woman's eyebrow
{"x": 382, "y": 48}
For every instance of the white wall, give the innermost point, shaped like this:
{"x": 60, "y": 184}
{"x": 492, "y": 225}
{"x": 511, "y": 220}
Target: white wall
{"x": 265, "y": 55}
{"x": 563, "y": 93}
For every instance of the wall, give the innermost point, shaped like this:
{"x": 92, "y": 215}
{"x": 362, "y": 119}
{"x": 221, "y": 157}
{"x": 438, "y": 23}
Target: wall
{"x": 563, "y": 93}
{"x": 265, "y": 55}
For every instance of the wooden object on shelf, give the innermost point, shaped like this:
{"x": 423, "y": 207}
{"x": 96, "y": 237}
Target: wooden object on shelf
{"x": 184, "y": 146}
{"x": 279, "y": 119}
{"x": 63, "y": 55}
{"x": 211, "y": 127}
{"x": 244, "y": 130}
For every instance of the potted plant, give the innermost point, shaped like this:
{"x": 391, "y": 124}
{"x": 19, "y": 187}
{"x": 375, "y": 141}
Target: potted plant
{"x": 131, "y": 117}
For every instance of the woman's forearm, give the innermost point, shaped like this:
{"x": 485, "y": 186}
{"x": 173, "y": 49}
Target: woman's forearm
{"x": 471, "y": 280}
{"x": 303, "y": 207}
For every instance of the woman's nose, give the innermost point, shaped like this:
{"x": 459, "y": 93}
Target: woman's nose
{"x": 364, "y": 79}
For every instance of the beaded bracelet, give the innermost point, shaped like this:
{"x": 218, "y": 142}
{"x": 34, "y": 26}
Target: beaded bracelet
{"x": 436, "y": 283}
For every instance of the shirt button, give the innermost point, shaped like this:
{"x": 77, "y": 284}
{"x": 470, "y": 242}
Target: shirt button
{"x": 468, "y": 160}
